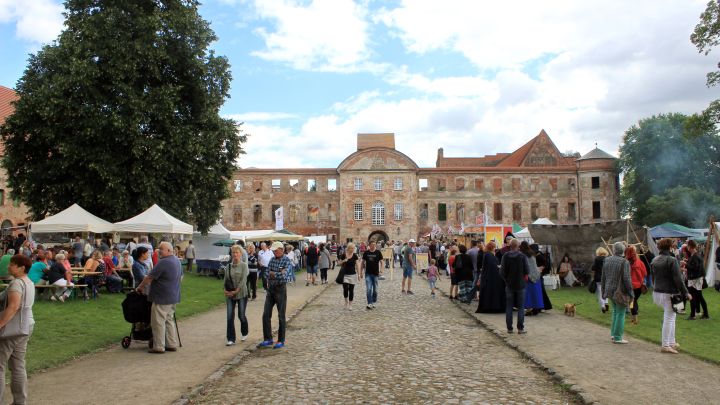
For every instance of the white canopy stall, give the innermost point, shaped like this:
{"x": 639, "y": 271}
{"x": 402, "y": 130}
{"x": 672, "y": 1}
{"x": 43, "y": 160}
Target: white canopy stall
{"x": 524, "y": 234}
{"x": 72, "y": 219}
{"x": 204, "y": 248}
{"x": 154, "y": 220}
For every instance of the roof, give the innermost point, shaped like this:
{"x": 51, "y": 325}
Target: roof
{"x": 7, "y": 96}
{"x": 154, "y": 220}
{"x": 596, "y": 154}
{"x": 72, "y": 219}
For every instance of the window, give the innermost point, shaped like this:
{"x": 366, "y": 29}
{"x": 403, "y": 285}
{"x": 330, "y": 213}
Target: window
{"x": 553, "y": 183}
{"x": 479, "y": 210}
{"x": 275, "y": 184}
{"x": 442, "y": 212}
{"x": 596, "y": 209}
{"x": 237, "y": 215}
{"x": 422, "y": 184}
{"x": 398, "y": 184}
{"x": 534, "y": 184}
{"x": 459, "y": 184}
{"x": 358, "y": 184}
{"x": 441, "y": 185}
{"x": 377, "y": 184}
{"x": 479, "y": 185}
{"x": 332, "y": 185}
{"x": 534, "y": 211}
{"x": 312, "y": 185}
{"x": 571, "y": 211}
{"x": 460, "y": 212}
{"x": 294, "y": 184}
{"x": 571, "y": 183}
{"x": 498, "y": 212}
{"x": 517, "y": 212}
{"x": 312, "y": 212}
{"x": 553, "y": 211}
{"x": 516, "y": 185}
{"x": 358, "y": 211}
{"x": 257, "y": 214}
{"x": 398, "y": 211}
{"x": 292, "y": 214}
{"x": 497, "y": 185}
{"x": 378, "y": 213}
{"x": 257, "y": 185}
{"x": 274, "y": 208}
{"x": 238, "y": 187}
{"x": 423, "y": 211}
{"x": 595, "y": 182}
{"x": 2, "y": 197}
{"x": 617, "y": 184}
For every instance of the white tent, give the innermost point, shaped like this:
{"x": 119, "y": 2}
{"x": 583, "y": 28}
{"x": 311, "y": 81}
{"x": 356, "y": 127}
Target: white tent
{"x": 72, "y": 219}
{"x": 204, "y": 248}
{"x": 712, "y": 272}
{"x": 247, "y": 234}
{"x": 524, "y": 234}
{"x": 154, "y": 220}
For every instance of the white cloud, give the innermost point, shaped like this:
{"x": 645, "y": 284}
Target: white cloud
{"x": 37, "y": 21}
{"x": 325, "y": 35}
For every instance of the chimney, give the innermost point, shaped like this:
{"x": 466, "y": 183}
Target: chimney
{"x": 439, "y": 157}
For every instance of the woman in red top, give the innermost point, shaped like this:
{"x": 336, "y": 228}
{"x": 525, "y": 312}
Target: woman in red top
{"x": 638, "y": 271}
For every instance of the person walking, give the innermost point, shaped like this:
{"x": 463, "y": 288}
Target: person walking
{"x": 371, "y": 260}
{"x": 463, "y": 271}
{"x": 349, "y": 262}
{"x": 252, "y": 262}
{"x": 264, "y": 257}
{"x": 492, "y": 287}
{"x": 433, "y": 276}
{"x": 696, "y": 282}
{"x": 277, "y": 278}
{"x": 514, "y": 269}
{"x": 533, "y": 290}
{"x": 667, "y": 281}
{"x": 617, "y": 288}
{"x": 475, "y": 252}
{"x": 312, "y": 255}
{"x": 236, "y": 294}
{"x": 164, "y": 281}
{"x": 409, "y": 266}
{"x": 189, "y": 256}
{"x": 324, "y": 262}
{"x": 600, "y": 254}
{"x": 637, "y": 274}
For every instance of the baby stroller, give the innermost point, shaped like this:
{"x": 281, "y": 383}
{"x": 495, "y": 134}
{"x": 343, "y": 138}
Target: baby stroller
{"x": 136, "y": 310}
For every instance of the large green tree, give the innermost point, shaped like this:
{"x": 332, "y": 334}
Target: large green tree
{"x": 705, "y": 37}
{"x": 121, "y": 112}
{"x": 657, "y": 156}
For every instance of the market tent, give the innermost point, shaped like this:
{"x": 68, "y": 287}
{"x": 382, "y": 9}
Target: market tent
{"x": 246, "y": 234}
{"x": 273, "y": 236}
{"x": 154, "y": 220}
{"x": 205, "y": 245}
{"x": 72, "y": 219}
{"x": 524, "y": 234}
{"x": 661, "y": 231}
{"x": 678, "y": 227}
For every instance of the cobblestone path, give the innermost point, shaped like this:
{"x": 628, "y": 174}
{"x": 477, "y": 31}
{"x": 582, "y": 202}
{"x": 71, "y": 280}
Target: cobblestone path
{"x": 409, "y": 349}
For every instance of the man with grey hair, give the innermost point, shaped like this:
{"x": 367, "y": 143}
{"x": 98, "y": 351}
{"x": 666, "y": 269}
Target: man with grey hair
{"x": 616, "y": 286}
{"x": 514, "y": 268}
{"x": 164, "y": 280}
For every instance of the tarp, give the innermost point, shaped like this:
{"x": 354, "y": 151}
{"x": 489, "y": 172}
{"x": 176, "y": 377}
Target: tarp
{"x": 663, "y": 232}
{"x": 72, "y": 219}
{"x": 273, "y": 236}
{"x": 678, "y": 227}
{"x": 154, "y": 220}
{"x": 524, "y": 234}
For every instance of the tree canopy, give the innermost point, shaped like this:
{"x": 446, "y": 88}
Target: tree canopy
{"x": 657, "y": 157}
{"x": 122, "y": 111}
{"x": 705, "y": 37}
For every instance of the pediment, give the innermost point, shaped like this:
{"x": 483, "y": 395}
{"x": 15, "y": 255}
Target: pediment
{"x": 377, "y": 159}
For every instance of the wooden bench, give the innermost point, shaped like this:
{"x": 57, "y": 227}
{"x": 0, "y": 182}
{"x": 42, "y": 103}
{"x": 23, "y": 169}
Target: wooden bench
{"x": 47, "y": 287}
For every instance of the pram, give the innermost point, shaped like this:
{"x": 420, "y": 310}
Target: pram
{"x": 136, "y": 310}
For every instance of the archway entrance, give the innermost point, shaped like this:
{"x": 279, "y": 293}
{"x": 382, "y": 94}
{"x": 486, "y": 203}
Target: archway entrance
{"x": 377, "y": 236}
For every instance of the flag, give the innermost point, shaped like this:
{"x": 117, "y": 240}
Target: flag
{"x": 711, "y": 269}
{"x": 279, "y": 219}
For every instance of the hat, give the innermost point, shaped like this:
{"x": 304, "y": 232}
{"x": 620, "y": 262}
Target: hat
{"x": 277, "y": 245}
{"x": 411, "y": 241}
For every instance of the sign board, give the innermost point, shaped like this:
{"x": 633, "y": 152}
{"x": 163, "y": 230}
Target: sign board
{"x": 279, "y": 219}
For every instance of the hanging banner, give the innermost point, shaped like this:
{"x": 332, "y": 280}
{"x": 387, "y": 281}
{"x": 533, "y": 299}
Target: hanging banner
{"x": 279, "y": 219}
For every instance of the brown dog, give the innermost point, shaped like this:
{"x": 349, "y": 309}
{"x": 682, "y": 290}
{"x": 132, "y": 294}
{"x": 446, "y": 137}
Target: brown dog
{"x": 570, "y": 310}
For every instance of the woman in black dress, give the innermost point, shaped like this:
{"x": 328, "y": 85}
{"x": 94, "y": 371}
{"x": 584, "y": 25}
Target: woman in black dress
{"x": 492, "y": 286}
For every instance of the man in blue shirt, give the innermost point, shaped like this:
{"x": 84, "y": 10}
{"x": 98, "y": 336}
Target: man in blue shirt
{"x": 164, "y": 280}
{"x": 277, "y": 278}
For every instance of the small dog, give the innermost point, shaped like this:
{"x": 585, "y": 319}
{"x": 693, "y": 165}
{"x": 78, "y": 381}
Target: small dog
{"x": 570, "y": 309}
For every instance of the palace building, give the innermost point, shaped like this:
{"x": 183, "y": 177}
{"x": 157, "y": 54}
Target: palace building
{"x": 379, "y": 192}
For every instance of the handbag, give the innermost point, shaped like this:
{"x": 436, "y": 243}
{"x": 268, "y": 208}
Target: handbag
{"x": 21, "y": 324}
{"x": 592, "y": 287}
{"x": 676, "y": 299}
{"x": 341, "y": 275}
{"x": 619, "y": 297}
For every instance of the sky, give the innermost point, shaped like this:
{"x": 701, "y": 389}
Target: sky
{"x": 472, "y": 77}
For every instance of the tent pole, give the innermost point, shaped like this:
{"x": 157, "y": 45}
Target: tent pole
{"x": 711, "y": 234}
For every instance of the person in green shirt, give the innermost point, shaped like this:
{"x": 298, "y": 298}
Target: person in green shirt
{"x": 4, "y": 261}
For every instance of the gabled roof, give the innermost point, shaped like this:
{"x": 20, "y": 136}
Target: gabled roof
{"x": 596, "y": 154}
{"x": 7, "y": 96}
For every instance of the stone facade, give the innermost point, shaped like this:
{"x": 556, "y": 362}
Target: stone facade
{"x": 379, "y": 192}
{"x": 12, "y": 212}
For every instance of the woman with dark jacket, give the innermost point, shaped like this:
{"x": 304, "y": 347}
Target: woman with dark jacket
{"x": 492, "y": 286}
{"x": 695, "y": 279}
{"x": 668, "y": 282}
{"x": 600, "y": 254}
{"x": 464, "y": 270}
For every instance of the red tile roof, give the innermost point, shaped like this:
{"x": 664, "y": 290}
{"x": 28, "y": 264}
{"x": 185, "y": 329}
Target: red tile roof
{"x": 7, "y": 96}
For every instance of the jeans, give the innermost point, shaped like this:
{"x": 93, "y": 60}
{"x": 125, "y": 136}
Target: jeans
{"x": 276, "y": 295}
{"x": 474, "y": 289}
{"x": 407, "y": 270}
{"x": 114, "y": 283}
{"x": 514, "y": 298}
{"x": 263, "y": 277}
{"x": 241, "y": 306}
{"x": 668, "y": 327}
{"x": 371, "y": 286}
{"x": 617, "y": 327}
{"x": 252, "y": 283}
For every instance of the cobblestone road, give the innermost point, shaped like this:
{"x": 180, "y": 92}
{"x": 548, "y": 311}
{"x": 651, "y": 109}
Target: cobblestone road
{"x": 409, "y": 349}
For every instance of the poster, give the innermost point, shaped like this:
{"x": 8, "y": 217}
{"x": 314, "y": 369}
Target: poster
{"x": 494, "y": 233}
{"x": 422, "y": 261}
{"x": 387, "y": 253}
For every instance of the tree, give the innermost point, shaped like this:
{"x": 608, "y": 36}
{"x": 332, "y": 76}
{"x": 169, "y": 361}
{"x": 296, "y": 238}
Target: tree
{"x": 121, "y": 112}
{"x": 658, "y": 155}
{"x": 705, "y": 37}
{"x": 683, "y": 205}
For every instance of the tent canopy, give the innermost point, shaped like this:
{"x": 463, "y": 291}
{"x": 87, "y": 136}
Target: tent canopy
{"x": 154, "y": 220}
{"x": 274, "y": 236}
{"x": 217, "y": 231}
{"x": 661, "y": 231}
{"x": 72, "y": 219}
{"x": 246, "y": 234}
{"x": 525, "y": 232}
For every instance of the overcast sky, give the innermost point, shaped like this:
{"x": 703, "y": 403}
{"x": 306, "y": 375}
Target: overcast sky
{"x": 472, "y": 77}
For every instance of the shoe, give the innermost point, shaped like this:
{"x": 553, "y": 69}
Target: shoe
{"x": 667, "y": 349}
{"x": 61, "y": 298}
{"x": 410, "y": 292}
{"x": 510, "y": 331}
{"x": 403, "y": 291}
{"x": 53, "y": 298}
{"x": 368, "y": 307}
{"x": 243, "y": 338}
{"x": 620, "y": 342}
{"x": 372, "y": 305}
{"x": 171, "y": 349}
{"x": 156, "y": 351}
{"x": 229, "y": 343}
{"x": 675, "y": 346}
{"x": 307, "y": 284}
{"x": 704, "y": 317}
{"x": 690, "y": 318}
{"x": 521, "y": 331}
{"x": 681, "y": 311}
{"x": 265, "y": 343}
{"x": 279, "y": 345}
{"x": 604, "y": 309}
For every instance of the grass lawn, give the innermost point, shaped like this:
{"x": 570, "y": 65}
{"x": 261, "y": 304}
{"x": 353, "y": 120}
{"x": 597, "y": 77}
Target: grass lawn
{"x": 698, "y": 338}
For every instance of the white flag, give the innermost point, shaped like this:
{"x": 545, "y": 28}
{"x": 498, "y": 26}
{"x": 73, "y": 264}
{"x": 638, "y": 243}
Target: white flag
{"x": 279, "y": 219}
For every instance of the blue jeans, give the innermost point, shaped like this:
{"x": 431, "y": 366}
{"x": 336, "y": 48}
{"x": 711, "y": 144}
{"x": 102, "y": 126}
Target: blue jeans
{"x": 241, "y": 305}
{"x": 514, "y": 298}
{"x": 371, "y": 286}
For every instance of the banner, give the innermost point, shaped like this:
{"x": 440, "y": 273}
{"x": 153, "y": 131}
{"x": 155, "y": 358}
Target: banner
{"x": 494, "y": 233}
{"x": 279, "y": 219}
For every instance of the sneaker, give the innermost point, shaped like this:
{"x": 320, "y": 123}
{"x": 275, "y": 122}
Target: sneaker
{"x": 621, "y": 342}
{"x": 521, "y": 331}
{"x": 510, "y": 331}
{"x": 675, "y": 346}
{"x": 410, "y": 292}
{"x": 403, "y": 291}
{"x": 368, "y": 307}
{"x": 265, "y": 343}
{"x": 229, "y": 343}
{"x": 53, "y": 298}
{"x": 243, "y": 337}
{"x": 279, "y": 345}
{"x": 372, "y": 305}
{"x": 61, "y": 298}
{"x": 667, "y": 349}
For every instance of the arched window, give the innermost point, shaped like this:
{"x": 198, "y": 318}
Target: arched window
{"x": 378, "y": 213}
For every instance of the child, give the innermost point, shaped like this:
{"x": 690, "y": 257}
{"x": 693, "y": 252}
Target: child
{"x": 433, "y": 275}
